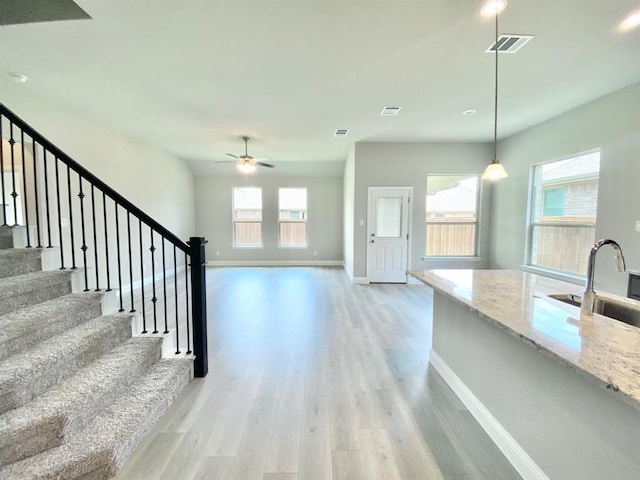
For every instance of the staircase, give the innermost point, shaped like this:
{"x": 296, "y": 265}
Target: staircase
{"x": 77, "y": 391}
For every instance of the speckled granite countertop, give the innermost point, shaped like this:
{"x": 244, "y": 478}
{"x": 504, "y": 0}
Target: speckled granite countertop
{"x": 605, "y": 350}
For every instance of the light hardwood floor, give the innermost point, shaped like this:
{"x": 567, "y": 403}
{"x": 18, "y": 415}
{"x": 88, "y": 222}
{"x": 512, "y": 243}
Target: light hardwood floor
{"x": 310, "y": 378}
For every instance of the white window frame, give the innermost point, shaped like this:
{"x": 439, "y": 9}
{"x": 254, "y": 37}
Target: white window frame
{"x": 476, "y": 243}
{"x": 304, "y": 220}
{"x": 532, "y": 223}
{"x": 234, "y": 220}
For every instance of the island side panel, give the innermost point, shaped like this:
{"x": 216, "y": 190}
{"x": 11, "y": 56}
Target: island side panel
{"x": 569, "y": 426}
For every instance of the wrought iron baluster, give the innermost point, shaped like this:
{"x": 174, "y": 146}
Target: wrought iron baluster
{"x": 73, "y": 243}
{"x": 25, "y": 194}
{"x": 175, "y": 280}
{"x": 154, "y": 299}
{"x": 106, "y": 240}
{"x": 46, "y": 196}
{"x": 84, "y": 239}
{"x": 133, "y": 308}
{"x": 186, "y": 289}
{"x": 35, "y": 192}
{"x": 164, "y": 284}
{"x": 144, "y": 313}
{"x": 95, "y": 237}
{"x": 118, "y": 256}
{"x": 14, "y": 194}
{"x": 4, "y": 201}
{"x": 56, "y": 162}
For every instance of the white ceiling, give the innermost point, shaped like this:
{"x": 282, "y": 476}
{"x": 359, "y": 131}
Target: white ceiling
{"x": 194, "y": 76}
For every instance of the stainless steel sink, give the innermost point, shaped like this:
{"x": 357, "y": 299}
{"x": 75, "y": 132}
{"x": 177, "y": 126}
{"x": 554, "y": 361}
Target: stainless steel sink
{"x": 616, "y": 310}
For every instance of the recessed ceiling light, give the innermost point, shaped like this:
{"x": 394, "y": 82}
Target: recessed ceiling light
{"x": 390, "y": 110}
{"x": 18, "y": 77}
{"x": 493, "y": 7}
{"x": 630, "y": 22}
{"x": 469, "y": 112}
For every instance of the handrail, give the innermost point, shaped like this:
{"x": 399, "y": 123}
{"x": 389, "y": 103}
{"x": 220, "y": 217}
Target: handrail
{"x": 50, "y": 182}
{"x": 86, "y": 174}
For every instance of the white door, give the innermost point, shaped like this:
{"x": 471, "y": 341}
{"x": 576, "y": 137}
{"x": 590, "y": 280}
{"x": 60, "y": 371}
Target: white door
{"x": 388, "y": 234}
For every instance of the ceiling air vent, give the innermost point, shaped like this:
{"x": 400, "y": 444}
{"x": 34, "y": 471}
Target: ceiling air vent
{"x": 509, "y": 43}
{"x": 341, "y": 132}
{"x": 390, "y": 111}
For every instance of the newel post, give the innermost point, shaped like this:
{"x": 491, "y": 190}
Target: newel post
{"x": 199, "y": 305}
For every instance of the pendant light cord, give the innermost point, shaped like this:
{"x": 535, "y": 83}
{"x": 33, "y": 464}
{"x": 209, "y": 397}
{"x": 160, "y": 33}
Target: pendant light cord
{"x": 495, "y": 102}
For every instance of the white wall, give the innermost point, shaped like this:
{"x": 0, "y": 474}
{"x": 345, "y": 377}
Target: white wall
{"x": 611, "y": 123}
{"x": 213, "y": 195}
{"x": 154, "y": 180}
{"x": 408, "y": 164}
{"x": 348, "y": 196}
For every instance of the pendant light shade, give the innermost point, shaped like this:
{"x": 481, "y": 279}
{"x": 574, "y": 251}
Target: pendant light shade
{"x": 495, "y": 171}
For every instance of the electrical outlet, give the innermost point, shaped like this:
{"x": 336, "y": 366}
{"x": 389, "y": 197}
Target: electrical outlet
{"x": 217, "y": 253}
{"x": 637, "y": 225}
{"x": 315, "y": 254}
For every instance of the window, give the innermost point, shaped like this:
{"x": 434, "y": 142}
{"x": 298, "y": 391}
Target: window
{"x": 452, "y": 215}
{"x": 293, "y": 217}
{"x": 247, "y": 217}
{"x": 563, "y": 213}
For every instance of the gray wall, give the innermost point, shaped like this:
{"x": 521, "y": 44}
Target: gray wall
{"x": 611, "y": 123}
{"x": 213, "y": 196}
{"x": 408, "y": 164}
{"x": 348, "y": 197}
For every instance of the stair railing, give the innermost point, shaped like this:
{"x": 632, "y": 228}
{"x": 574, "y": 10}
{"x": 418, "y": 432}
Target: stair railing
{"x": 116, "y": 244}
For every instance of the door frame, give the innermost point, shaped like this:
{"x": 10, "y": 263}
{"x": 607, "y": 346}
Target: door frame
{"x": 371, "y": 221}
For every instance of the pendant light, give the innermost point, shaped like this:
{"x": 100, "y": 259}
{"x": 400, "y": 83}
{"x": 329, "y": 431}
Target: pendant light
{"x": 495, "y": 171}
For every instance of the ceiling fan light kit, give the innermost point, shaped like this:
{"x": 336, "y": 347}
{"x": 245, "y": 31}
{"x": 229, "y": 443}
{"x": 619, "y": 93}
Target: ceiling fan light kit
{"x": 246, "y": 163}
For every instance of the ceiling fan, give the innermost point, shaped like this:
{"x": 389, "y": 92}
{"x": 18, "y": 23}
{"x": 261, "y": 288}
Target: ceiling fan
{"x": 246, "y": 163}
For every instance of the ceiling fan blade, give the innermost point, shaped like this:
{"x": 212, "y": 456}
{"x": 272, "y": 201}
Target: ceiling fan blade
{"x": 226, "y": 161}
{"x": 262, "y": 164}
{"x": 232, "y": 155}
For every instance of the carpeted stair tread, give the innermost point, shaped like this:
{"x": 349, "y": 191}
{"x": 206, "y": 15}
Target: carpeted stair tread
{"x": 24, "y": 328}
{"x": 32, "y": 288}
{"x": 65, "y": 409}
{"x": 18, "y": 261}
{"x": 112, "y": 436}
{"x": 30, "y": 373}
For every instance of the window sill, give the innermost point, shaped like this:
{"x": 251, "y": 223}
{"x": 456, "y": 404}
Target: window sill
{"x": 294, "y": 247}
{"x": 555, "y": 274}
{"x": 247, "y": 247}
{"x": 443, "y": 258}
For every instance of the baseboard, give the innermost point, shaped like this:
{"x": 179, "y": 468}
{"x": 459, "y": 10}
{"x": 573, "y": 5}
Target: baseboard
{"x": 275, "y": 263}
{"x": 511, "y": 449}
{"x": 361, "y": 280}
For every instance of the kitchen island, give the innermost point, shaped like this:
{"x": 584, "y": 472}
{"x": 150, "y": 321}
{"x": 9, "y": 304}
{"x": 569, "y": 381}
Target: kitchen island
{"x": 558, "y": 393}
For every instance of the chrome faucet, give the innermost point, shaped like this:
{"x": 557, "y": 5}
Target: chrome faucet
{"x": 589, "y": 297}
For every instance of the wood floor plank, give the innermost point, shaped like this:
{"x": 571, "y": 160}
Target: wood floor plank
{"x": 233, "y": 413}
{"x": 284, "y": 449}
{"x": 280, "y": 476}
{"x": 149, "y": 462}
{"x": 312, "y": 377}
{"x": 378, "y": 455}
{"x": 212, "y": 468}
{"x": 252, "y": 453}
{"x": 315, "y": 444}
{"x": 348, "y": 465}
